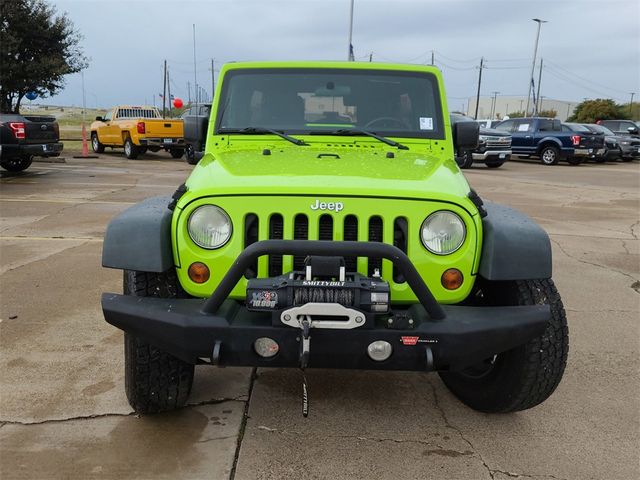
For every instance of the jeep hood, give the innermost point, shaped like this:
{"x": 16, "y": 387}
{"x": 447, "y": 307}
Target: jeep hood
{"x": 323, "y": 171}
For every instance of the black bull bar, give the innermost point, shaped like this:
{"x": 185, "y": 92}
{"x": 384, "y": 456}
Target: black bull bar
{"x": 221, "y": 331}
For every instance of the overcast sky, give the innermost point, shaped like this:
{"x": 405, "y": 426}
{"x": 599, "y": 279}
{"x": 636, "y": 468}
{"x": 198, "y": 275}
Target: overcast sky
{"x": 591, "y": 47}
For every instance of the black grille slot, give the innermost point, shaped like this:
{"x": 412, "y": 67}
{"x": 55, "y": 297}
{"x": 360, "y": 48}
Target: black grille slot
{"x": 300, "y": 232}
{"x": 375, "y": 235}
{"x": 325, "y": 228}
{"x": 351, "y": 235}
{"x": 251, "y": 236}
{"x": 275, "y": 233}
{"x": 400, "y": 236}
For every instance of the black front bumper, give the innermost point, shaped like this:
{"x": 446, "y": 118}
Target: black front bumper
{"x": 466, "y": 336}
{"x": 222, "y": 331}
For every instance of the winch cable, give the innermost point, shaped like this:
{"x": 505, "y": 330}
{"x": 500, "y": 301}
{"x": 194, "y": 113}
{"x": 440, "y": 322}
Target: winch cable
{"x": 344, "y": 297}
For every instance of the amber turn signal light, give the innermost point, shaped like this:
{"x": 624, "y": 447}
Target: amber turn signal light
{"x": 452, "y": 279}
{"x": 199, "y": 272}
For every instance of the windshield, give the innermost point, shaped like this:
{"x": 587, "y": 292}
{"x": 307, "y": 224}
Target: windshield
{"x": 300, "y": 101}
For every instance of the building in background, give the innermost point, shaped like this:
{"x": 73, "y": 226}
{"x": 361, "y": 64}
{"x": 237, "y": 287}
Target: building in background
{"x": 507, "y": 104}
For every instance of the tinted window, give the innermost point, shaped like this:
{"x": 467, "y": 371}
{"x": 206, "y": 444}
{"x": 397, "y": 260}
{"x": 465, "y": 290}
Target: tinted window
{"x": 304, "y": 100}
{"x": 545, "y": 125}
{"x": 506, "y": 126}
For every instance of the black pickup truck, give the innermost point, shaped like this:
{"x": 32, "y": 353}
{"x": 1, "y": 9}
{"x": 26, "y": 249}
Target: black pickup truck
{"x": 544, "y": 138}
{"x": 25, "y": 137}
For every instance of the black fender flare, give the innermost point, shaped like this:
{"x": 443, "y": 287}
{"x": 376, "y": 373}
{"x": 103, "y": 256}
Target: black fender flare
{"x": 514, "y": 247}
{"x": 139, "y": 238}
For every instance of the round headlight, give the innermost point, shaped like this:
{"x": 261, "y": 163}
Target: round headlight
{"x": 209, "y": 227}
{"x": 442, "y": 232}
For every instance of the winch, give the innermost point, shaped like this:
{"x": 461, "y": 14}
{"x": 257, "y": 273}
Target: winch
{"x": 324, "y": 281}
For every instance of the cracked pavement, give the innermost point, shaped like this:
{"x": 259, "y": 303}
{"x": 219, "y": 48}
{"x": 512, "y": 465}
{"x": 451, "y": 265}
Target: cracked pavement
{"x": 63, "y": 413}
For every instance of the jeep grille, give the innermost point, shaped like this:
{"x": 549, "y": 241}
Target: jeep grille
{"x": 326, "y": 230}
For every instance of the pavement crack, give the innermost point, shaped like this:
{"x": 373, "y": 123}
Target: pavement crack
{"x": 216, "y": 401}
{"x": 632, "y": 229}
{"x": 107, "y": 415}
{"x": 69, "y": 419}
{"x": 448, "y": 424}
{"x": 586, "y": 262}
{"x": 243, "y": 425}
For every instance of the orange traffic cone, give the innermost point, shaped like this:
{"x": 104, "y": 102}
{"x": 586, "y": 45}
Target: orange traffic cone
{"x": 85, "y": 146}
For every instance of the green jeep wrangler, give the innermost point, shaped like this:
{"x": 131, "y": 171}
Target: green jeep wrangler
{"x": 327, "y": 225}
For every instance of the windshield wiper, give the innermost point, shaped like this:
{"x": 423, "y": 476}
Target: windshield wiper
{"x": 358, "y": 131}
{"x": 259, "y": 130}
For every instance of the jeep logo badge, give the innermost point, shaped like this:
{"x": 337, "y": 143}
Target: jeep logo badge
{"x": 333, "y": 206}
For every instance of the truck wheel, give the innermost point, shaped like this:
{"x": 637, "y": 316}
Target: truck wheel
{"x": 549, "y": 155}
{"x": 465, "y": 160}
{"x": 16, "y": 164}
{"x": 96, "y": 146}
{"x": 176, "y": 152}
{"x": 154, "y": 380}
{"x": 495, "y": 164}
{"x": 130, "y": 150}
{"x": 526, "y": 375}
{"x": 190, "y": 155}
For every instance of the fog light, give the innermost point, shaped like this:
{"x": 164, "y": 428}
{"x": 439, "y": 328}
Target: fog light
{"x": 379, "y": 350}
{"x": 266, "y": 347}
{"x": 452, "y": 279}
{"x": 198, "y": 272}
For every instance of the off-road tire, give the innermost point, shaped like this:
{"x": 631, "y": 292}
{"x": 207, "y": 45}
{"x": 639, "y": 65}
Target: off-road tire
{"x": 154, "y": 380}
{"x": 130, "y": 150}
{"x": 96, "y": 146}
{"x": 16, "y": 164}
{"x": 495, "y": 164}
{"x": 527, "y": 375}
{"x": 549, "y": 155}
{"x": 176, "y": 152}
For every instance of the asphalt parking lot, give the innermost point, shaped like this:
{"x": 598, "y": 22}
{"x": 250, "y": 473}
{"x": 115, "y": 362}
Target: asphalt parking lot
{"x": 63, "y": 413}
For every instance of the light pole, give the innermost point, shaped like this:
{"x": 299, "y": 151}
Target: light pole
{"x": 493, "y": 104}
{"x": 631, "y": 105}
{"x": 350, "y": 56}
{"x": 533, "y": 64}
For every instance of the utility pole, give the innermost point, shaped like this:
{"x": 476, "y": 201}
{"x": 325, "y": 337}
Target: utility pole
{"x": 631, "y": 105}
{"x": 164, "y": 91}
{"x": 433, "y": 58}
{"x": 350, "y": 56}
{"x": 533, "y": 64}
{"x": 568, "y": 107}
{"x": 213, "y": 81}
{"x": 169, "y": 91}
{"x": 189, "y": 92}
{"x": 537, "y": 106}
{"x": 479, "y": 83}
{"x": 493, "y": 104}
{"x": 195, "y": 73}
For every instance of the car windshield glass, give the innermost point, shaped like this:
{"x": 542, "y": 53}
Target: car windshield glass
{"x": 578, "y": 128}
{"x": 308, "y": 100}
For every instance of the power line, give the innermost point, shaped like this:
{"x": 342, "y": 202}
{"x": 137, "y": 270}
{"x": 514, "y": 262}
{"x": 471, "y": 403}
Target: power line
{"x": 584, "y": 79}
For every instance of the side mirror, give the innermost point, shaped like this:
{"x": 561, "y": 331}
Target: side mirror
{"x": 633, "y": 130}
{"x": 466, "y": 135}
{"x": 99, "y": 119}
